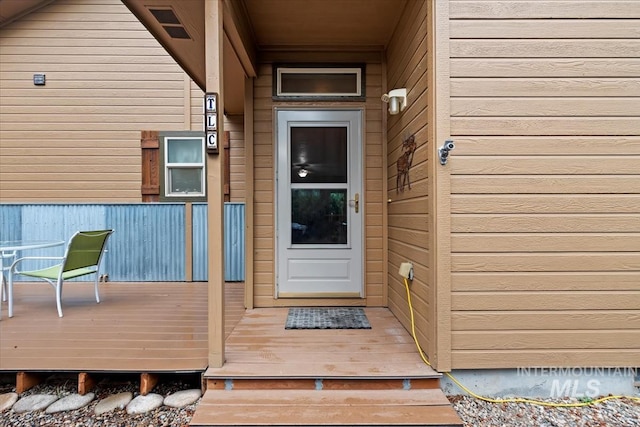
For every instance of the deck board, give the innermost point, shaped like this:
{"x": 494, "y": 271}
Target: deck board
{"x": 335, "y": 407}
{"x": 138, "y": 327}
{"x": 162, "y": 327}
{"x": 260, "y": 347}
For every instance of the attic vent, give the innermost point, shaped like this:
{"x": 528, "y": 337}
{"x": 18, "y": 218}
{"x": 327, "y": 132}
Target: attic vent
{"x": 165, "y": 16}
{"x": 176, "y": 32}
{"x": 170, "y": 23}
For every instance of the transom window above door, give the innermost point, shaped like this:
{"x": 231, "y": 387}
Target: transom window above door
{"x": 328, "y": 83}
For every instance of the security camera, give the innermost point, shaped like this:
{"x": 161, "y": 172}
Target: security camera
{"x": 443, "y": 151}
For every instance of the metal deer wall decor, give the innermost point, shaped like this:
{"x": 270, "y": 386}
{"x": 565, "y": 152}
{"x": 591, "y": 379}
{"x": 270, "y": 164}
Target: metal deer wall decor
{"x": 404, "y": 163}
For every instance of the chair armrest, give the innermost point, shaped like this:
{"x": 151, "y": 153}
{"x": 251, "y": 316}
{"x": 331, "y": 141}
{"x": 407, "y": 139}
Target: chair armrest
{"x": 15, "y": 263}
{"x": 6, "y": 255}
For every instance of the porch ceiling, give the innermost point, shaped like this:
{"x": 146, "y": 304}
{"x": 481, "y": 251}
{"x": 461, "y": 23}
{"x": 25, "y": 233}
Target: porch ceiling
{"x": 253, "y": 26}
{"x": 361, "y": 24}
{"x": 11, "y": 10}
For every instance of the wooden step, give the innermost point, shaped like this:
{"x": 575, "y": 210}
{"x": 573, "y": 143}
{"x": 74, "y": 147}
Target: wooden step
{"x": 421, "y": 407}
{"x": 321, "y": 384}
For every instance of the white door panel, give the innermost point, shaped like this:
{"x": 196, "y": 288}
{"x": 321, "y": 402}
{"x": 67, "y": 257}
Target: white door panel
{"x": 319, "y": 203}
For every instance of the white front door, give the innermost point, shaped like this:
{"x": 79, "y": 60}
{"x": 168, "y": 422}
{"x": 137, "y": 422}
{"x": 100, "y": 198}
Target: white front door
{"x": 319, "y": 203}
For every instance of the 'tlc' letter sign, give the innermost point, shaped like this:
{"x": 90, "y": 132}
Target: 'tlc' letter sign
{"x": 211, "y": 121}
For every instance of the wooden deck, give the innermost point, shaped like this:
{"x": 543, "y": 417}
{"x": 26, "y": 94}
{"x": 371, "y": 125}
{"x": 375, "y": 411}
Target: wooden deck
{"x": 161, "y": 327}
{"x": 138, "y": 327}
{"x": 260, "y": 347}
{"x": 272, "y": 376}
{"x": 279, "y": 377}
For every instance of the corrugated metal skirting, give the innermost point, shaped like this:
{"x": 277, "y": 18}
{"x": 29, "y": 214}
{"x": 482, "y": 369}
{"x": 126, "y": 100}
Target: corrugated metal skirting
{"x": 199, "y": 237}
{"x": 153, "y": 238}
{"x": 234, "y": 242}
{"x": 149, "y": 240}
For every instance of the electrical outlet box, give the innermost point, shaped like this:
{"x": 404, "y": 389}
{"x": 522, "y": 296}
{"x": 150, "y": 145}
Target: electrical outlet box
{"x": 406, "y": 270}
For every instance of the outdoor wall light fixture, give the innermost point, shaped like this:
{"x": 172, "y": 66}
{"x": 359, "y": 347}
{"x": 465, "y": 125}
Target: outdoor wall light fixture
{"x": 397, "y": 100}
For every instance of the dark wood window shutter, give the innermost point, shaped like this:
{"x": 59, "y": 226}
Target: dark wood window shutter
{"x": 150, "y": 146}
{"x": 227, "y": 166}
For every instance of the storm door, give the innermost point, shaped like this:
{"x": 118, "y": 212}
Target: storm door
{"x": 319, "y": 203}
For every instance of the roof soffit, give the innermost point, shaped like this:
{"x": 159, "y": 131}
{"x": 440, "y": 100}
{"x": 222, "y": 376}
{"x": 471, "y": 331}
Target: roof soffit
{"x": 272, "y": 25}
{"x": 328, "y": 24}
{"x": 12, "y": 10}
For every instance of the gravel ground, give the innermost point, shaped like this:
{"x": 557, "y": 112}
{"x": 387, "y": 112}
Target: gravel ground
{"x": 611, "y": 413}
{"x": 85, "y": 417}
{"x": 474, "y": 413}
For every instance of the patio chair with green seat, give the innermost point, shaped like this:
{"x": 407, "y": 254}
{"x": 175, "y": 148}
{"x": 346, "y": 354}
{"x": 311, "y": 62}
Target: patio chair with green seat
{"x": 82, "y": 256}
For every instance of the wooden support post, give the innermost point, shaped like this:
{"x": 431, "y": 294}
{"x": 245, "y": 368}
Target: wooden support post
{"x": 148, "y": 382}
{"x": 85, "y": 383}
{"x": 204, "y": 383}
{"x": 26, "y": 380}
{"x": 440, "y": 184}
{"x": 248, "y": 198}
{"x": 188, "y": 241}
{"x": 214, "y": 35}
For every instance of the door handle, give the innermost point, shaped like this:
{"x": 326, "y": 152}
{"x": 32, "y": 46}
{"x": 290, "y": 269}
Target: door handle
{"x": 355, "y": 202}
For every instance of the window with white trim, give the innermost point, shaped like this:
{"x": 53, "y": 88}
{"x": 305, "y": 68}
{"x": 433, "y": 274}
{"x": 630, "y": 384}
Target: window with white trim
{"x": 332, "y": 82}
{"x": 183, "y": 171}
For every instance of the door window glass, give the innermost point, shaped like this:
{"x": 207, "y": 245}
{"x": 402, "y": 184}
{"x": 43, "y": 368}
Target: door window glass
{"x": 319, "y": 155}
{"x": 318, "y": 216}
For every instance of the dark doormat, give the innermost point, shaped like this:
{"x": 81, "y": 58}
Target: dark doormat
{"x": 327, "y": 318}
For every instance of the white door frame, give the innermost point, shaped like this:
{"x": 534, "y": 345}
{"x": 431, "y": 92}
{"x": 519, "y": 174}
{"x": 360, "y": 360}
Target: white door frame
{"x": 319, "y": 271}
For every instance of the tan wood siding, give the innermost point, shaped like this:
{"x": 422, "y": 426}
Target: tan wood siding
{"x": 196, "y": 106}
{"x": 408, "y": 211}
{"x": 545, "y": 183}
{"x": 264, "y": 191}
{"x": 235, "y": 125}
{"x": 264, "y": 217}
{"x": 77, "y": 139}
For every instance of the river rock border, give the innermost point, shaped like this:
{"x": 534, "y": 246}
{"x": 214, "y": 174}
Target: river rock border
{"x": 52, "y": 403}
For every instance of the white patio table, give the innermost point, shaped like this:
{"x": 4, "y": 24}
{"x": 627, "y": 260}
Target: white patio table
{"x": 8, "y": 250}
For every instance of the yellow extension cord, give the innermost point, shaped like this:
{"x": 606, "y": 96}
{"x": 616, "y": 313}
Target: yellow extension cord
{"x": 512, "y": 400}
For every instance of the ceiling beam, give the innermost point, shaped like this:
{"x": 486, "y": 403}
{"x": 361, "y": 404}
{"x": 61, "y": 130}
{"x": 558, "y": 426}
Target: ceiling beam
{"x": 238, "y": 29}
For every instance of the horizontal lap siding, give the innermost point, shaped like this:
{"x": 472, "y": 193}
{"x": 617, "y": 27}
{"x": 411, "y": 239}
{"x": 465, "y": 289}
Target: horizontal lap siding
{"x": 373, "y": 188}
{"x": 263, "y": 191}
{"x": 545, "y": 183}
{"x": 235, "y": 126}
{"x": 408, "y": 213}
{"x": 77, "y": 139}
